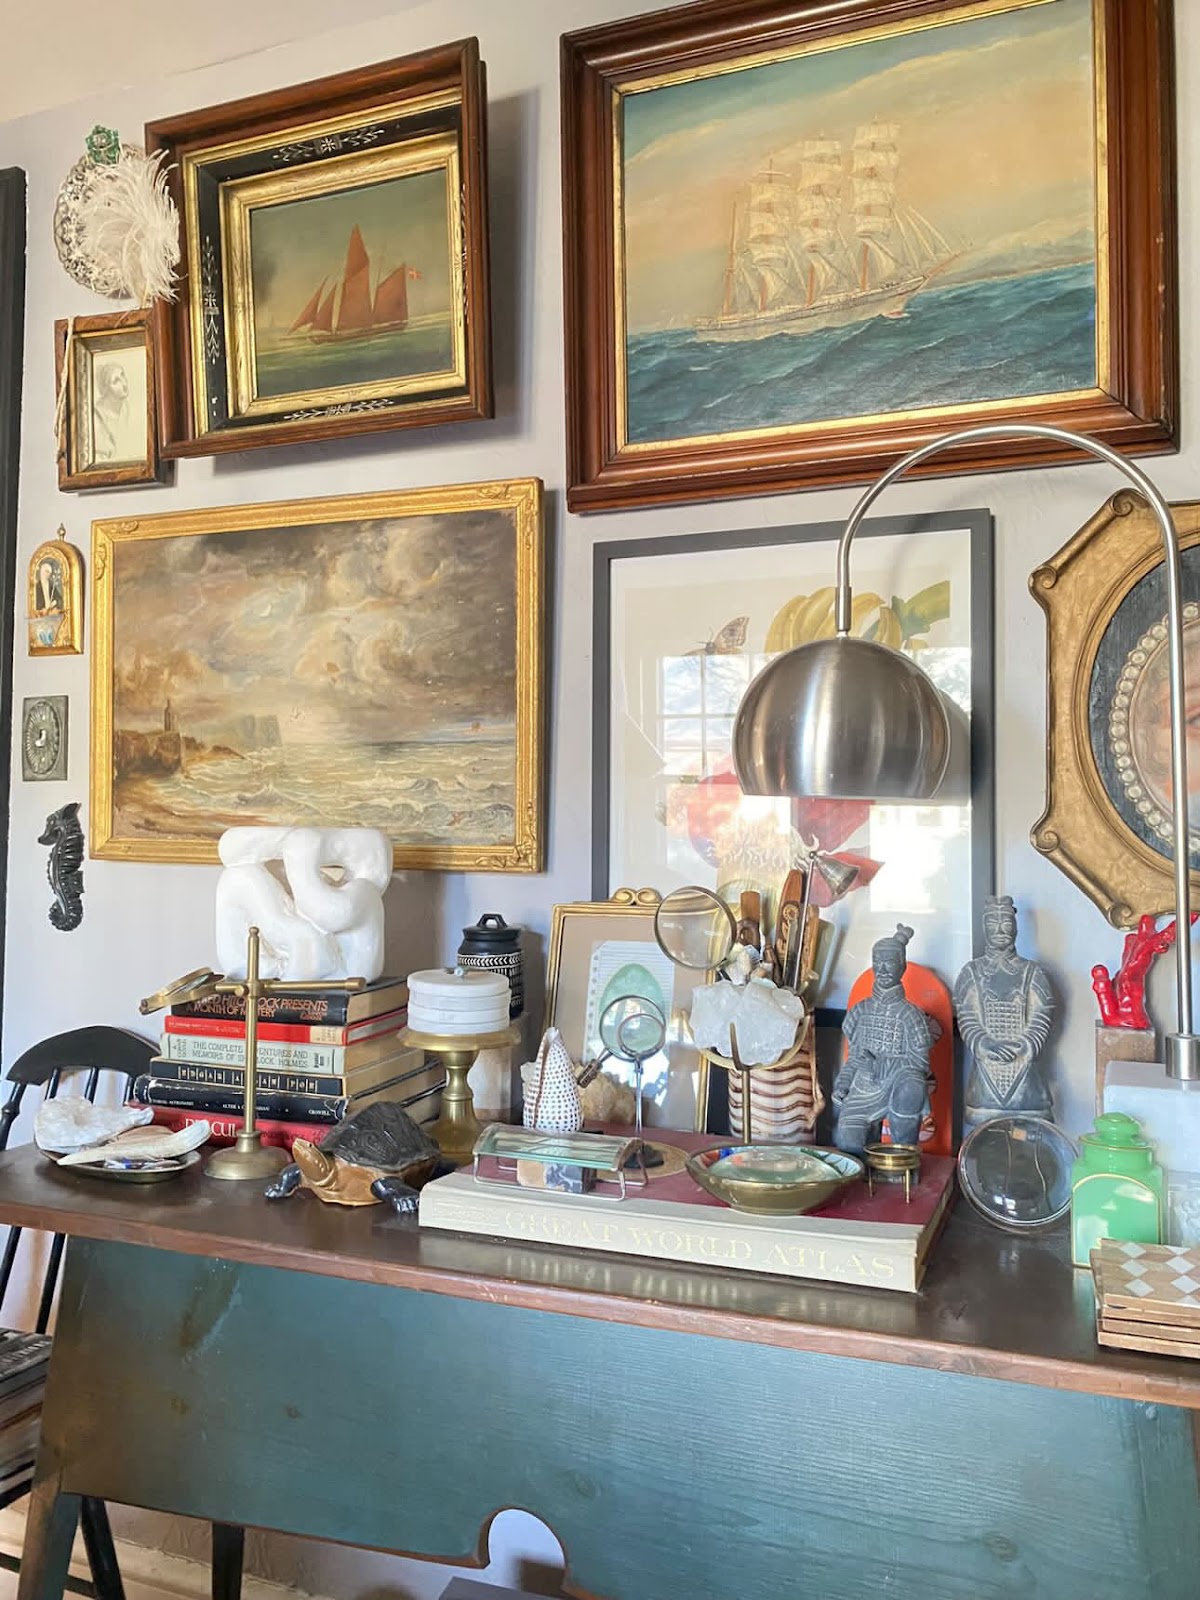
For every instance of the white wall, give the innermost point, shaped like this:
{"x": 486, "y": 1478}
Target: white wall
{"x": 143, "y": 924}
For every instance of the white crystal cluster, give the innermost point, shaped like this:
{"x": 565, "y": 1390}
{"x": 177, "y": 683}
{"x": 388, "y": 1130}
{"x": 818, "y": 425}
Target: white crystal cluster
{"x": 766, "y": 1019}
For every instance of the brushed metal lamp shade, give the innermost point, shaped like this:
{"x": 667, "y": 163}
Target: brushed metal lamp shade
{"x": 844, "y": 719}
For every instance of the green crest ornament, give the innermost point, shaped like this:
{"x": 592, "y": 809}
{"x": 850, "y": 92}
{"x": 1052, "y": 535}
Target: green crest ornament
{"x": 104, "y": 146}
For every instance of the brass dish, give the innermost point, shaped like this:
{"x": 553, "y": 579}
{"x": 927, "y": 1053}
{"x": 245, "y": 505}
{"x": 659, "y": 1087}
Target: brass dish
{"x": 134, "y": 1174}
{"x": 774, "y": 1180}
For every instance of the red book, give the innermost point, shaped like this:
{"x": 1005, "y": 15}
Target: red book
{"x": 226, "y": 1127}
{"x": 289, "y": 1032}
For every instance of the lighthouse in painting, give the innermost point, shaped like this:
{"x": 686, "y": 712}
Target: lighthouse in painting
{"x": 346, "y": 309}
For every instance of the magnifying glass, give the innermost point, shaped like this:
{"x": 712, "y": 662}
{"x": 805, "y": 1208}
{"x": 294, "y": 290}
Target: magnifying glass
{"x": 633, "y": 1029}
{"x": 696, "y": 929}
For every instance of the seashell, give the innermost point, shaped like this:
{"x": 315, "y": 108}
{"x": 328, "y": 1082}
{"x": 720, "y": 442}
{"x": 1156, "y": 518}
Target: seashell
{"x": 142, "y": 1144}
{"x": 552, "y": 1095}
{"x": 69, "y": 1122}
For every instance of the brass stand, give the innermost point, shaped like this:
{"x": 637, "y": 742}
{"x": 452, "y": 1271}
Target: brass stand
{"x": 249, "y": 1158}
{"x": 457, "y": 1129}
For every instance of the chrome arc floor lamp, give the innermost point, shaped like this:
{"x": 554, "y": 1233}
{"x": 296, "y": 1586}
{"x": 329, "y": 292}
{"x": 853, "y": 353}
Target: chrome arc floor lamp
{"x": 850, "y": 718}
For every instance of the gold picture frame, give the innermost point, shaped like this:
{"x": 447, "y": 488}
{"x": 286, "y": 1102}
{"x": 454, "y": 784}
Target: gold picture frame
{"x": 109, "y": 411}
{"x": 335, "y": 250}
{"x": 592, "y": 948}
{"x": 282, "y": 663}
{"x": 54, "y": 599}
{"x": 1107, "y": 817}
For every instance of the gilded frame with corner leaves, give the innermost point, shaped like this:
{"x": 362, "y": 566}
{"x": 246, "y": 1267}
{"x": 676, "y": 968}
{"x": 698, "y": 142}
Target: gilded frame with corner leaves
{"x": 1107, "y": 818}
{"x": 286, "y": 664}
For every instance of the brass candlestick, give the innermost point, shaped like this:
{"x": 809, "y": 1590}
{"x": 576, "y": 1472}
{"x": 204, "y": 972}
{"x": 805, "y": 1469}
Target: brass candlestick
{"x": 248, "y": 1158}
{"x": 457, "y": 1129}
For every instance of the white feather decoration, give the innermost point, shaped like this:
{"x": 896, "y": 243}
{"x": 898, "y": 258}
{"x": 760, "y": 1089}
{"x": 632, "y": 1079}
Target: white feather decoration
{"x": 128, "y": 227}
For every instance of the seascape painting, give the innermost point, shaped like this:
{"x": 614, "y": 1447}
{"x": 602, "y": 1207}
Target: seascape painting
{"x": 352, "y": 287}
{"x": 375, "y": 668}
{"x": 898, "y": 221}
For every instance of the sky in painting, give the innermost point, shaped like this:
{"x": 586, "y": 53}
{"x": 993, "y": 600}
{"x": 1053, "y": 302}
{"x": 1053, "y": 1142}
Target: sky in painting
{"x": 355, "y": 632}
{"x": 995, "y": 120}
{"x": 301, "y": 244}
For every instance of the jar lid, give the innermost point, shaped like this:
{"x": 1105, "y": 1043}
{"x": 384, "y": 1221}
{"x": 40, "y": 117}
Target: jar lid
{"x": 1115, "y": 1130}
{"x": 492, "y": 929}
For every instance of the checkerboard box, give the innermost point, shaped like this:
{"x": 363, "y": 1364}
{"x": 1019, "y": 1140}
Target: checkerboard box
{"x": 468, "y": 1589}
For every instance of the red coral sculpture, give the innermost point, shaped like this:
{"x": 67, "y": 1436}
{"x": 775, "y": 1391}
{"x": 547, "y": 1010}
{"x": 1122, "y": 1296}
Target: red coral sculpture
{"x": 1122, "y": 996}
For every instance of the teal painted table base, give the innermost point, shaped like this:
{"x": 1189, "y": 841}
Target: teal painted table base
{"x": 670, "y": 1466}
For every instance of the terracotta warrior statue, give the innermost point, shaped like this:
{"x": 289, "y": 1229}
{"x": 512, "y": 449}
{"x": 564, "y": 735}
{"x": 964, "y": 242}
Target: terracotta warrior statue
{"x": 886, "y": 1070}
{"x": 1004, "y": 1005}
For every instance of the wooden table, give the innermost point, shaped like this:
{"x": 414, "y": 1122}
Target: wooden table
{"x": 688, "y": 1434}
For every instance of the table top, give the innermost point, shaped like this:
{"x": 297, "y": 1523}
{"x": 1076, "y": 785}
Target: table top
{"x": 991, "y": 1305}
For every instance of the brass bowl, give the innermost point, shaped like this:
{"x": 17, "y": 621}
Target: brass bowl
{"x": 774, "y": 1180}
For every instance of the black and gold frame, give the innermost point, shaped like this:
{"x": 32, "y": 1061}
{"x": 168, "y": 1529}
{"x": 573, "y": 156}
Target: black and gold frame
{"x": 1107, "y": 822}
{"x": 335, "y": 253}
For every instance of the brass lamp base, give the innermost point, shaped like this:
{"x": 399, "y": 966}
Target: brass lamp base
{"x": 248, "y": 1159}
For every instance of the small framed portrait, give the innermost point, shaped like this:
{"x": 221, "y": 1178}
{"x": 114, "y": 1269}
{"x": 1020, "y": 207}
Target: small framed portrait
{"x": 55, "y": 599}
{"x": 109, "y": 434}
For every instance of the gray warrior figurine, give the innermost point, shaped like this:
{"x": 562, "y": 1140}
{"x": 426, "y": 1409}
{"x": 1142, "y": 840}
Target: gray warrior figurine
{"x": 1004, "y": 1004}
{"x": 886, "y": 1070}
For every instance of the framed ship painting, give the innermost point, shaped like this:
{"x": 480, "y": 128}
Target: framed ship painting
{"x": 335, "y": 245}
{"x": 681, "y": 626}
{"x": 287, "y": 665}
{"x": 1108, "y": 822}
{"x": 802, "y": 239}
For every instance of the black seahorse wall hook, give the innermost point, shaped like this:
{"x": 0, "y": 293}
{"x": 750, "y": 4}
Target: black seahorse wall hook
{"x": 65, "y": 868}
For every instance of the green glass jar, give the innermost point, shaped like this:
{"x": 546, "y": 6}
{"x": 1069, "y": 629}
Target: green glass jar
{"x": 1117, "y": 1187}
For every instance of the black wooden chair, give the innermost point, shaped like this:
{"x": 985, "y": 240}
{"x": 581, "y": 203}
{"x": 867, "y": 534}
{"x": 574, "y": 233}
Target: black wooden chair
{"x": 44, "y": 1066}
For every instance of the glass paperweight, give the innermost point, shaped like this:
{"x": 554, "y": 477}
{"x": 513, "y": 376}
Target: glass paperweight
{"x": 1016, "y": 1171}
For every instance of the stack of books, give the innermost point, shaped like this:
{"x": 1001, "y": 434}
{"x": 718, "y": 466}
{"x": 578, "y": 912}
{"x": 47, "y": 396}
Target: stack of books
{"x": 322, "y": 1055}
{"x": 1148, "y": 1297}
{"x": 24, "y": 1358}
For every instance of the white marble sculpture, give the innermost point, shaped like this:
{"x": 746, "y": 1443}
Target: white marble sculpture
{"x": 322, "y": 919}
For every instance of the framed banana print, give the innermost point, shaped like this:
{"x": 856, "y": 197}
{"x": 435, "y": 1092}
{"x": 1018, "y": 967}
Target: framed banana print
{"x": 601, "y": 951}
{"x": 54, "y": 595}
{"x": 109, "y": 417}
{"x": 287, "y": 664}
{"x": 680, "y": 628}
{"x": 803, "y": 238}
{"x": 1107, "y": 822}
{"x": 335, "y": 258}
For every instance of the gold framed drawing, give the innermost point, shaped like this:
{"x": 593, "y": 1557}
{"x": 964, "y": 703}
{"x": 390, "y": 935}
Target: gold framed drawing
{"x": 335, "y": 245}
{"x": 287, "y": 663}
{"x": 54, "y": 599}
{"x": 601, "y": 950}
{"x": 109, "y": 436}
{"x": 1107, "y": 822}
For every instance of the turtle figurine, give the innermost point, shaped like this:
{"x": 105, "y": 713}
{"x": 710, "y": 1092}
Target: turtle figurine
{"x": 379, "y": 1154}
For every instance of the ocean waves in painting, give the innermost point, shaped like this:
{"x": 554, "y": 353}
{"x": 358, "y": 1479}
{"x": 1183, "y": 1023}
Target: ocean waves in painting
{"x": 996, "y": 339}
{"x": 429, "y": 793}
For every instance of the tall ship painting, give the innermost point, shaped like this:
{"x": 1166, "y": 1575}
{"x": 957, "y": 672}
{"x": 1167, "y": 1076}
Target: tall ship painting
{"x": 347, "y": 309}
{"x": 825, "y": 243}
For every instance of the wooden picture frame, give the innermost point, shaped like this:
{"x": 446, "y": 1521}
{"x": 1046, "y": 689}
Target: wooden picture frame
{"x": 678, "y": 123}
{"x": 286, "y": 663}
{"x": 681, "y": 626}
{"x": 12, "y": 364}
{"x": 1107, "y": 818}
{"x": 110, "y": 414}
{"x": 54, "y": 594}
{"x": 335, "y": 258}
{"x": 594, "y": 945}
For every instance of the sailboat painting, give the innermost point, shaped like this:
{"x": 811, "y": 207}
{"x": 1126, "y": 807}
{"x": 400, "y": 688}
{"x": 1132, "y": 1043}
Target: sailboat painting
{"x": 352, "y": 287}
{"x": 898, "y": 221}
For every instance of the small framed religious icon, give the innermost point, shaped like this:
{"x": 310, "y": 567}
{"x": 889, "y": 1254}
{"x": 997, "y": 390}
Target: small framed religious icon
{"x": 55, "y": 606}
{"x": 106, "y": 377}
{"x": 44, "y": 738}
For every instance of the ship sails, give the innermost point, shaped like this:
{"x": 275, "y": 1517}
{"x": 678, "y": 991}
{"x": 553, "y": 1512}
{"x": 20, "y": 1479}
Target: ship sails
{"x": 826, "y": 242}
{"x": 346, "y": 309}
